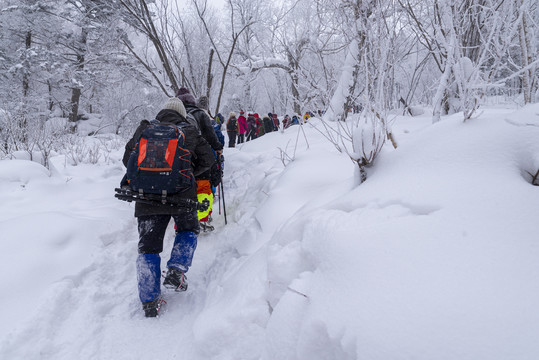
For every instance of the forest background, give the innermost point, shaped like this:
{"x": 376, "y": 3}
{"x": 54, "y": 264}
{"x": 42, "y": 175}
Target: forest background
{"x": 440, "y": 247}
{"x": 113, "y": 62}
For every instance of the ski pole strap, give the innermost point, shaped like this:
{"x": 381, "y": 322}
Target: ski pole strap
{"x": 155, "y": 199}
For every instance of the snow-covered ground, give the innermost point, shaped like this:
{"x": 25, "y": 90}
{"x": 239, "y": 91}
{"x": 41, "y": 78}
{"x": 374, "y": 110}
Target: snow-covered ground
{"x": 435, "y": 256}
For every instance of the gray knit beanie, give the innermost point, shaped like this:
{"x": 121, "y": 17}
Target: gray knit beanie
{"x": 175, "y": 104}
{"x": 203, "y": 102}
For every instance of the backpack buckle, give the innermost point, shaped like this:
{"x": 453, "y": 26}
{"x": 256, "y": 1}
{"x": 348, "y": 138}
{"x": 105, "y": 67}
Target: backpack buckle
{"x": 164, "y": 196}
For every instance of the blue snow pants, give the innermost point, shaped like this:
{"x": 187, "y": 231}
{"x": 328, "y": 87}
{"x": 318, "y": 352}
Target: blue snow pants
{"x": 152, "y": 229}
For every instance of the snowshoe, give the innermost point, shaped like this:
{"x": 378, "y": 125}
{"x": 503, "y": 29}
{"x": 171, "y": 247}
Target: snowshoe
{"x": 175, "y": 279}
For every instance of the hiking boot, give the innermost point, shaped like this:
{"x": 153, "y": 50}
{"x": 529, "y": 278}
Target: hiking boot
{"x": 151, "y": 308}
{"x": 175, "y": 279}
{"x": 205, "y": 227}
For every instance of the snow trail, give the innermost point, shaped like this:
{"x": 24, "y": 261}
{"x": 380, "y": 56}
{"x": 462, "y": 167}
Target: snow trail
{"x": 434, "y": 256}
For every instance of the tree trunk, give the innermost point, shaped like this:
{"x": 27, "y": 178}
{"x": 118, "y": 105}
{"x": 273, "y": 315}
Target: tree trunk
{"x": 225, "y": 67}
{"x": 51, "y": 101}
{"x": 355, "y": 49}
{"x": 159, "y": 47}
{"x": 361, "y": 14}
{"x": 26, "y": 77}
{"x": 209, "y": 78}
{"x": 76, "y": 90}
{"x": 471, "y": 41}
{"x": 294, "y": 79}
{"x": 441, "y": 97}
{"x": 525, "y": 59}
{"x": 295, "y": 92}
{"x": 143, "y": 16}
{"x": 361, "y": 163}
{"x": 75, "y": 99}
{"x": 406, "y": 107}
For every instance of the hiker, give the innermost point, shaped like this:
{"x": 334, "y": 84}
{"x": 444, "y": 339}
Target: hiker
{"x": 220, "y": 118}
{"x": 216, "y": 172}
{"x": 153, "y": 218}
{"x": 242, "y": 127}
{"x": 217, "y": 128}
{"x": 232, "y": 129}
{"x": 202, "y": 118}
{"x": 199, "y": 111}
{"x": 268, "y": 123}
{"x": 251, "y": 127}
{"x": 216, "y": 122}
{"x": 286, "y": 122}
{"x": 205, "y": 188}
{"x": 204, "y": 103}
{"x": 260, "y": 131}
{"x": 275, "y": 122}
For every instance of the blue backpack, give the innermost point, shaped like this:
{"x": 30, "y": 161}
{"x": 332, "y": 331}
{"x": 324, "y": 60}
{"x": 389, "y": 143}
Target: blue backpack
{"x": 160, "y": 164}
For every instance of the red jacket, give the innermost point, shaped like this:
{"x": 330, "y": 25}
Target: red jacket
{"x": 242, "y": 125}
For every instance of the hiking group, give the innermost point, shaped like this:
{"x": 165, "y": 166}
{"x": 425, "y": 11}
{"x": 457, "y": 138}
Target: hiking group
{"x": 174, "y": 165}
{"x": 240, "y": 128}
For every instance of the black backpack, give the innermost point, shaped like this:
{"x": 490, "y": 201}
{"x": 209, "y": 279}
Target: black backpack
{"x": 160, "y": 164}
{"x": 232, "y": 125}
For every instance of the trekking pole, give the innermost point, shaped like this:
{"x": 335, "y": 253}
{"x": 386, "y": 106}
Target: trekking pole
{"x": 224, "y": 207}
{"x": 218, "y": 185}
{"x": 222, "y": 190}
{"x": 219, "y": 195}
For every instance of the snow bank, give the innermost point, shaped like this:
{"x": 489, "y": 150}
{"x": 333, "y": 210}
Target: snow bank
{"x": 21, "y": 171}
{"x": 433, "y": 257}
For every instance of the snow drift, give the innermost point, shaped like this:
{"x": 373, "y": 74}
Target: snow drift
{"x": 433, "y": 257}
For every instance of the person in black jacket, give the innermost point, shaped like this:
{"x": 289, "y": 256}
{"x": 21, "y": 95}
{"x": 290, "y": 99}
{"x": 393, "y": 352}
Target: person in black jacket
{"x": 232, "y": 129}
{"x": 268, "y": 124}
{"x": 252, "y": 130}
{"x": 204, "y": 122}
{"x": 154, "y": 218}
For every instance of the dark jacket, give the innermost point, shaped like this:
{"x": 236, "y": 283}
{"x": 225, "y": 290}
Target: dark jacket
{"x": 260, "y": 130}
{"x": 202, "y": 159}
{"x": 204, "y": 124}
{"x": 251, "y": 123}
{"x": 232, "y": 124}
{"x": 268, "y": 124}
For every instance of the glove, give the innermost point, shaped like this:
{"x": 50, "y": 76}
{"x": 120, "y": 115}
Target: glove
{"x": 216, "y": 174}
